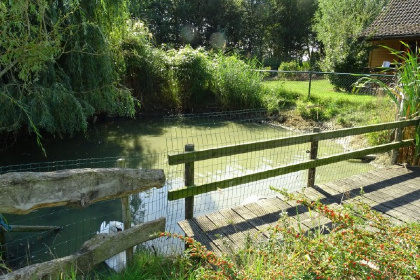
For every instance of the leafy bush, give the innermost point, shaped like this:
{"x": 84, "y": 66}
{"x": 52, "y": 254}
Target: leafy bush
{"x": 279, "y": 98}
{"x": 58, "y": 66}
{"x": 146, "y": 74}
{"x": 289, "y": 66}
{"x": 190, "y": 79}
{"x": 318, "y": 111}
{"x": 235, "y": 83}
{"x": 347, "y": 82}
{"x": 190, "y": 69}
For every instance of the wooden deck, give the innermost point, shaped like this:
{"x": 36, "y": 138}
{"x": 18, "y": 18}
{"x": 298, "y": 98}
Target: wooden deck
{"x": 394, "y": 191}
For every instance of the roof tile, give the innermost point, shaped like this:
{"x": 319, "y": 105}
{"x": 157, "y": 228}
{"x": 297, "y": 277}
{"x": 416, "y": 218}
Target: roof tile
{"x": 401, "y": 18}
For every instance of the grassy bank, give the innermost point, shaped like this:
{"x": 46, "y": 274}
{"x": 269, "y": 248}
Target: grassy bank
{"x": 327, "y": 107}
{"x": 326, "y": 104}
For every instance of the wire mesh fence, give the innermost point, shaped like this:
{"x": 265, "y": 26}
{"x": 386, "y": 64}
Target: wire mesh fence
{"x": 312, "y": 82}
{"x": 204, "y": 131}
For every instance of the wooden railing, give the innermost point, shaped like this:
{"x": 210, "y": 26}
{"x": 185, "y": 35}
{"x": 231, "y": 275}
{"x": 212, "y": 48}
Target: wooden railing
{"x": 190, "y": 156}
{"x": 23, "y": 192}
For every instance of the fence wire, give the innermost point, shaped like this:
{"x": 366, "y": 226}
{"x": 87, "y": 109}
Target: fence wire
{"x": 204, "y": 131}
{"x": 311, "y": 81}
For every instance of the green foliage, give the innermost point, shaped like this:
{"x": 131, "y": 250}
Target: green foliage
{"x": 191, "y": 76}
{"x": 338, "y": 25}
{"x": 146, "y": 70}
{"x": 291, "y": 66}
{"x": 279, "y": 98}
{"x": 57, "y": 61}
{"x": 406, "y": 91}
{"x": 189, "y": 79}
{"x": 263, "y": 29}
{"x": 235, "y": 83}
{"x": 326, "y": 104}
{"x": 318, "y": 111}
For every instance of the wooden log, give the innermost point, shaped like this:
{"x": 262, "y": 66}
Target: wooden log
{"x": 93, "y": 252}
{"x": 23, "y": 192}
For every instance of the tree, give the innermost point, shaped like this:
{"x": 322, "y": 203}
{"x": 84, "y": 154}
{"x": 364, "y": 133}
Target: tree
{"x": 278, "y": 29}
{"x": 290, "y": 34}
{"x": 338, "y": 25}
{"x": 57, "y": 64}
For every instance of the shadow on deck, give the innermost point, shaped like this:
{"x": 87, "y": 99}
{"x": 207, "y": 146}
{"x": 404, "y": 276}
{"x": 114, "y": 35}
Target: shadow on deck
{"x": 393, "y": 191}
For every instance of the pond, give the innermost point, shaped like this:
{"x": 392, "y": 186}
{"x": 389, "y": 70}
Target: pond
{"x": 145, "y": 143}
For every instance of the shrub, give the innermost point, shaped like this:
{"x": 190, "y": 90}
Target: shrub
{"x": 317, "y": 111}
{"x": 146, "y": 74}
{"x": 289, "y": 66}
{"x": 235, "y": 83}
{"x": 190, "y": 75}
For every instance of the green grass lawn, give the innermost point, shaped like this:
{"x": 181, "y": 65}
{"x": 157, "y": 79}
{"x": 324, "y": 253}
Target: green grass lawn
{"x": 326, "y": 104}
{"x": 319, "y": 89}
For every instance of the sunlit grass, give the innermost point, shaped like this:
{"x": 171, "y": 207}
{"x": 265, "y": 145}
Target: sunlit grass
{"x": 326, "y": 104}
{"x": 319, "y": 89}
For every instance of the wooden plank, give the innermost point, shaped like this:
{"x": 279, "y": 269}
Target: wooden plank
{"x": 242, "y": 225}
{"x": 214, "y": 233}
{"x": 239, "y": 234}
{"x": 196, "y": 190}
{"x": 23, "y": 228}
{"x": 23, "y": 192}
{"x": 391, "y": 195}
{"x": 93, "y": 251}
{"x": 307, "y": 220}
{"x": 282, "y": 142}
{"x": 396, "y": 200}
{"x": 191, "y": 229}
{"x": 259, "y": 224}
{"x": 268, "y": 215}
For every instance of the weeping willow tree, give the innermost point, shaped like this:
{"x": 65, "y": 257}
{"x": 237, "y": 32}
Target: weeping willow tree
{"x": 58, "y": 64}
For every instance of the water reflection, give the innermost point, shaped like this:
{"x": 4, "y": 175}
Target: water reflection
{"x": 145, "y": 143}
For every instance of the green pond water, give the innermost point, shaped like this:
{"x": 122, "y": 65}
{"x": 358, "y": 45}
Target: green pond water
{"x": 145, "y": 143}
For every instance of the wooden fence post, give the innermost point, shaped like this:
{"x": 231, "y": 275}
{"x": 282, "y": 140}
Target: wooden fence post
{"x": 313, "y": 153}
{"x": 125, "y": 213}
{"x": 310, "y": 84}
{"x": 398, "y": 137}
{"x": 189, "y": 181}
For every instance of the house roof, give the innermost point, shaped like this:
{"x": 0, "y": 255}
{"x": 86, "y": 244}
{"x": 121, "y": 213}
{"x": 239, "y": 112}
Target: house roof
{"x": 400, "y": 19}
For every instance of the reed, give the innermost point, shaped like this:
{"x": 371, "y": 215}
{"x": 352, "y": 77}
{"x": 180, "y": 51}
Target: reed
{"x": 405, "y": 92}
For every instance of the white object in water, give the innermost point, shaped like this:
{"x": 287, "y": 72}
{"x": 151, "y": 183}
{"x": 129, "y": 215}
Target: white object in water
{"x": 251, "y": 199}
{"x": 118, "y": 261}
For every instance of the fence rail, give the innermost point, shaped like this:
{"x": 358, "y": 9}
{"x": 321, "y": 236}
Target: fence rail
{"x": 23, "y": 192}
{"x": 189, "y": 157}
